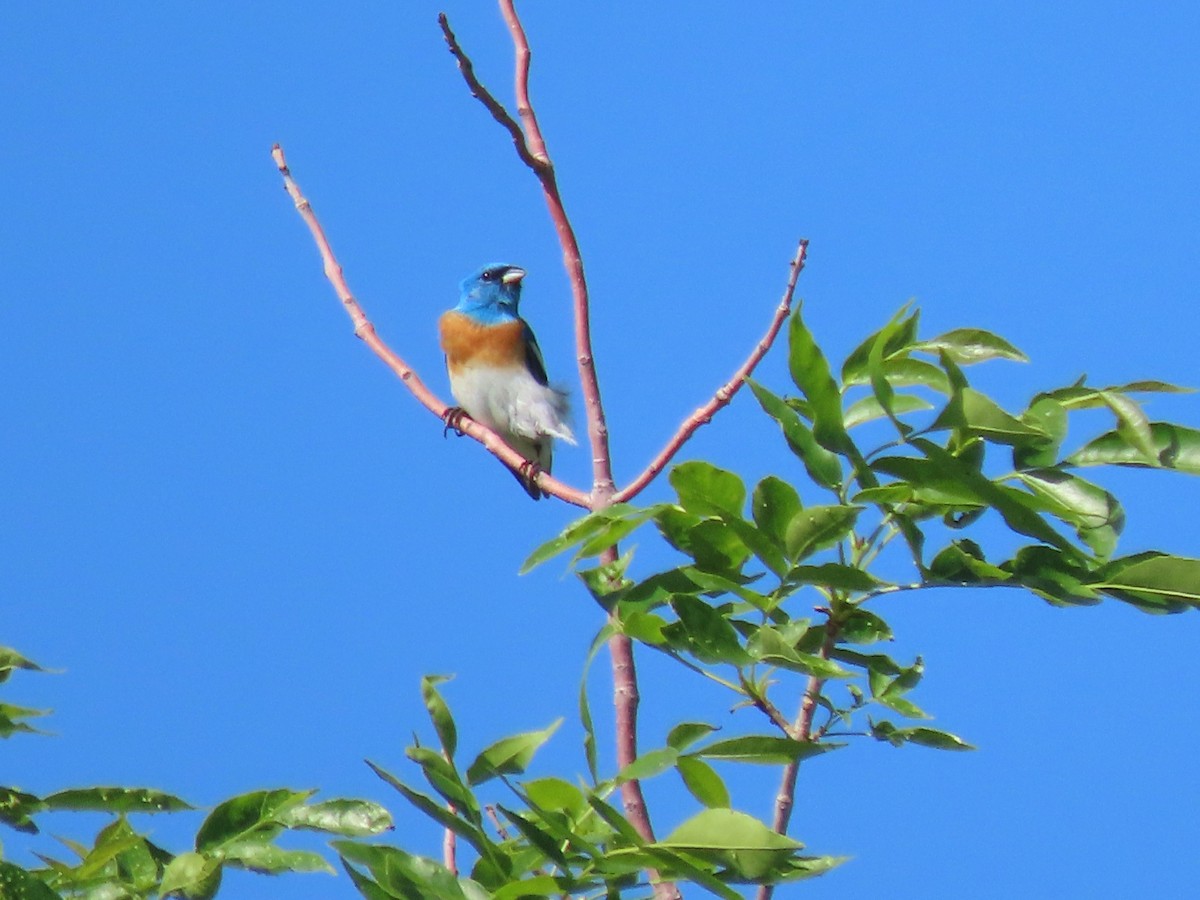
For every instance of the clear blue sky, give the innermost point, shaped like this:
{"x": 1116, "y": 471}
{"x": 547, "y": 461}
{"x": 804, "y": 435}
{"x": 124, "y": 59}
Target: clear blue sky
{"x": 243, "y": 542}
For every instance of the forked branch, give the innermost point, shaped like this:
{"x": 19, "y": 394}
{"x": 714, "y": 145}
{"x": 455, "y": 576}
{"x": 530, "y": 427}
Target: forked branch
{"x": 724, "y": 394}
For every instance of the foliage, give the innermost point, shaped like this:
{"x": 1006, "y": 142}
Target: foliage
{"x": 777, "y": 594}
{"x": 122, "y": 863}
{"x": 774, "y": 594}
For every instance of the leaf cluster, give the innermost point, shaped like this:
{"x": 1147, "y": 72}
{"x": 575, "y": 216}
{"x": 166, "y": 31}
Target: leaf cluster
{"x": 121, "y": 862}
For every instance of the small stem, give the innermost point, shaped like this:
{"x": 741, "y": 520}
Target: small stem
{"x": 802, "y": 731}
{"x": 724, "y": 394}
{"x": 769, "y": 709}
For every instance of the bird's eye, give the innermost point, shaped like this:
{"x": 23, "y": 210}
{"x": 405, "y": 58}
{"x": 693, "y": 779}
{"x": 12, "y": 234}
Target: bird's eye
{"x": 488, "y": 276}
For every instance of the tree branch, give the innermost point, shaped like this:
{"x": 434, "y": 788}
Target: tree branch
{"x": 724, "y": 394}
{"x": 364, "y": 330}
{"x": 764, "y": 705}
{"x": 802, "y": 731}
{"x": 531, "y": 148}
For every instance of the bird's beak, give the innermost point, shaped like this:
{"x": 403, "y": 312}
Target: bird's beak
{"x": 513, "y": 276}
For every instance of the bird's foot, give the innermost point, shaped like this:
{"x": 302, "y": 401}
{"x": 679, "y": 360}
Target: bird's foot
{"x": 528, "y": 472}
{"x": 453, "y": 417}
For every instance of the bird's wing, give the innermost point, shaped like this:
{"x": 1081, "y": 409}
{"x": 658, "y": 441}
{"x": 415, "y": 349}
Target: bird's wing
{"x": 533, "y": 357}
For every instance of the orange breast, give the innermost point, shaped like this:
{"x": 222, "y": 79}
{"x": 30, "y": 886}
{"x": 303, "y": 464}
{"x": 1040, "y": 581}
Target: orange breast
{"x": 467, "y": 343}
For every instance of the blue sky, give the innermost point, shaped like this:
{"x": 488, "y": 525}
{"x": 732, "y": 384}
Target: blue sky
{"x": 242, "y": 542}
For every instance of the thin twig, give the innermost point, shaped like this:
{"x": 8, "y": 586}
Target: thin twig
{"x": 724, "y": 394}
{"x": 764, "y": 705}
{"x": 449, "y": 840}
{"x": 364, "y": 330}
{"x": 496, "y": 823}
{"x": 523, "y": 56}
{"x": 802, "y": 731}
{"x": 486, "y": 97}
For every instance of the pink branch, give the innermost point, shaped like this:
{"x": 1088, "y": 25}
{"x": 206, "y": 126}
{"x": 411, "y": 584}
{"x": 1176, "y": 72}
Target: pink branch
{"x": 523, "y": 56}
{"x": 785, "y": 800}
{"x": 364, "y": 330}
{"x": 626, "y": 699}
{"x": 724, "y": 395}
{"x": 532, "y": 149}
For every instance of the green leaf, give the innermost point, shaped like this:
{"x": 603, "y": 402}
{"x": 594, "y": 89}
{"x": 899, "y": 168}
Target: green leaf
{"x": 834, "y": 575}
{"x": 192, "y": 875}
{"x": 939, "y": 740}
{"x": 981, "y": 416}
{"x": 902, "y": 705}
{"x": 893, "y": 341}
{"x": 642, "y": 626}
{"x": 878, "y": 665}
{"x": 469, "y": 832}
{"x": 737, "y": 840}
{"x": 811, "y": 374}
{"x": 817, "y": 527}
{"x": 764, "y": 749}
{"x": 1053, "y": 576}
{"x": 1079, "y": 396}
{"x": 822, "y": 466}
{"x": 403, "y": 875}
{"x": 1096, "y": 514}
{"x": 607, "y": 524}
{"x": 11, "y": 660}
{"x": 17, "y": 808}
{"x": 1048, "y": 416}
{"x": 647, "y": 765}
{"x": 535, "y": 886}
{"x": 907, "y": 372}
{"x": 707, "y": 490}
{"x": 711, "y": 543}
{"x": 883, "y": 346}
{"x": 925, "y": 737}
{"x": 585, "y": 709}
{"x": 444, "y": 778}
{"x": 241, "y": 816}
{"x": 268, "y": 859}
{"x": 685, "y": 734}
{"x": 439, "y": 713}
{"x": 556, "y": 794}
{"x": 967, "y": 346}
{"x": 769, "y": 647}
{"x": 1012, "y": 504}
{"x": 18, "y": 884}
{"x": 116, "y": 800}
{"x": 774, "y": 504}
{"x": 11, "y": 717}
{"x": 962, "y": 562}
{"x": 1174, "y": 447}
{"x": 542, "y": 842}
{"x": 864, "y": 627}
{"x": 615, "y": 820}
{"x": 758, "y": 542}
{"x": 508, "y": 756}
{"x": 1132, "y": 423}
{"x": 1155, "y": 582}
{"x": 350, "y": 818}
{"x": 703, "y": 782}
{"x": 710, "y": 637}
{"x": 868, "y": 409}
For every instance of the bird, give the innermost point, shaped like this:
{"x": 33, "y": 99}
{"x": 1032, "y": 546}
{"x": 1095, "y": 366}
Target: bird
{"x": 496, "y": 370}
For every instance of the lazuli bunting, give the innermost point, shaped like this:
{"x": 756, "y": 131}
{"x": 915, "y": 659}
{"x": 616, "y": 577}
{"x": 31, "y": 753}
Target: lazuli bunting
{"x": 496, "y": 369}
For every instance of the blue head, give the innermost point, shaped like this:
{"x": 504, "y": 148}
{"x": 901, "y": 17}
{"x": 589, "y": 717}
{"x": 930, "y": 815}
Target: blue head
{"x": 492, "y": 294}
